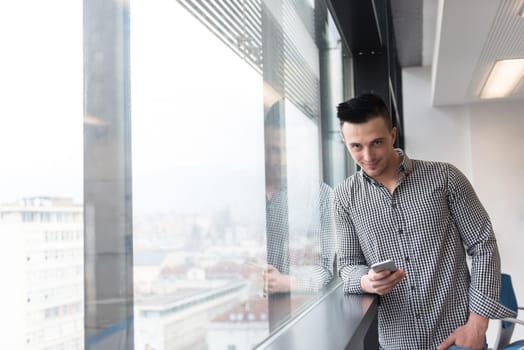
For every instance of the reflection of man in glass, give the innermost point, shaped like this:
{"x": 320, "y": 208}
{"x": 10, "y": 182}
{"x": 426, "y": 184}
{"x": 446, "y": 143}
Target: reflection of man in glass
{"x": 306, "y": 264}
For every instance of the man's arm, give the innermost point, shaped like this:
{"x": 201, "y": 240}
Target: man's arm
{"x": 351, "y": 260}
{"x": 353, "y": 269}
{"x": 327, "y": 239}
{"x": 477, "y": 234}
{"x": 470, "y": 336}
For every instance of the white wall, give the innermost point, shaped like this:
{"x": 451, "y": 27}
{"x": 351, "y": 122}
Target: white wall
{"x": 486, "y": 141}
{"x": 441, "y": 134}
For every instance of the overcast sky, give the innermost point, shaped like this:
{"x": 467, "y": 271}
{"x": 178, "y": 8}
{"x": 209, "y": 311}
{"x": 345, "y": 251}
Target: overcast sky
{"x": 41, "y": 99}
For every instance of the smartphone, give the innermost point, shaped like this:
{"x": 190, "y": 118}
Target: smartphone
{"x": 384, "y": 265}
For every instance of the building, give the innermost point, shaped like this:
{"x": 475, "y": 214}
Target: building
{"x": 49, "y": 235}
{"x": 180, "y": 320}
{"x": 240, "y": 327}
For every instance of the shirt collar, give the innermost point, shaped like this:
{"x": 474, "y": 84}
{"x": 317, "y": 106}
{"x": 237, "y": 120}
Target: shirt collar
{"x": 405, "y": 167}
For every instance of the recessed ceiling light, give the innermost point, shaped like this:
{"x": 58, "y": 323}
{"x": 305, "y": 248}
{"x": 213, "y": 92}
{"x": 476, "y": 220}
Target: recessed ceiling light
{"x": 503, "y": 78}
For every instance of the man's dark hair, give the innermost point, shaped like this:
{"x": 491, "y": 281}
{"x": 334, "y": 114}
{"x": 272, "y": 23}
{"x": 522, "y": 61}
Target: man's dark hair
{"x": 362, "y": 108}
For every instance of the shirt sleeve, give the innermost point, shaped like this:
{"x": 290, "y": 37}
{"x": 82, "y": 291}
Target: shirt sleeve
{"x": 351, "y": 261}
{"x": 327, "y": 232}
{"x": 477, "y": 234}
{"x": 312, "y": 278}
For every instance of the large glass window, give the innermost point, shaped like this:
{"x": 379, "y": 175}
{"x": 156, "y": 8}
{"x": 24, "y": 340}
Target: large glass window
{"x": 187, "y": 207}
{"x": 198, "y": 185}
{"x": 232, "y": 225}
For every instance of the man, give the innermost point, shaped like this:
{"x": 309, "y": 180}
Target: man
{"x": 421, "y": 215}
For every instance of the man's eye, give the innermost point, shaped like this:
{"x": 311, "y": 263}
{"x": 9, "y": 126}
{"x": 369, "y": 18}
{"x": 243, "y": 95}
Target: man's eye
{"x": 377, "y": 142}
{"x": 355, "y": 146}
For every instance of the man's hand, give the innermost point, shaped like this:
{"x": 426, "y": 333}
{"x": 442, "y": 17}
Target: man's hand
{"x": 276, "y": 282}
{"x": 381, "y": 282}
{"x": 471, "y": 335}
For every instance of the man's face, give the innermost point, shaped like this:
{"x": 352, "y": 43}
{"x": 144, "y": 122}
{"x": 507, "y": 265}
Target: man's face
{"x": 370, "y": 145}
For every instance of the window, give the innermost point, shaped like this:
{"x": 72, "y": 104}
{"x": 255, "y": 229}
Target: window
{"x": 227, "y": 172}
{"x": 198, "y": 181}
{"x": 157, "y": 156}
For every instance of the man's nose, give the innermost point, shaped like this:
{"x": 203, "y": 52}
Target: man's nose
{"x": 368, "y": 154}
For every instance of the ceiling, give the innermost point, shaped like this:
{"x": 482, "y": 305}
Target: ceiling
{"x": 461, "y": 40}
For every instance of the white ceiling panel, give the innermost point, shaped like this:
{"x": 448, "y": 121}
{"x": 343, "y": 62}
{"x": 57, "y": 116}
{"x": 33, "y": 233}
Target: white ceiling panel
{"x": 471, "y": 36}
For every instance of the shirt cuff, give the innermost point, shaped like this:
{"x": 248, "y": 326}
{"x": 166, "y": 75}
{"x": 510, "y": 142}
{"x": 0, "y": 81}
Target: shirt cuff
{"x": 311, "y": 278}
{"x": 351, "y": 276}
{"x": 487, "y": 307}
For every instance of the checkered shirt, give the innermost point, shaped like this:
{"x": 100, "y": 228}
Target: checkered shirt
{"x": 305, "y": 251}
{"x": 427, "y": 225}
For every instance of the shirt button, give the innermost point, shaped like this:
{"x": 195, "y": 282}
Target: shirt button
{"x": 417, "y": 316}
{"x": 393, "y": 205}
{"x": 407, "y": 258}
{"x": 413, "y": 287}
{"x": 400, "y": 231}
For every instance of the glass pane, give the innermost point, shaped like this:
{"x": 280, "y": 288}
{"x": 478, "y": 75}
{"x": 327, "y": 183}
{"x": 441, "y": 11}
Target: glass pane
{"x": 311, "y": 225}
{"x": 299, "y": 223}
{"x": 300, "y": 227}
{"x": 198, "y": 186}
{"x": 41, "y": 191}
{"x": 337, "y": 162}
{"x": 225, "y": 129}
